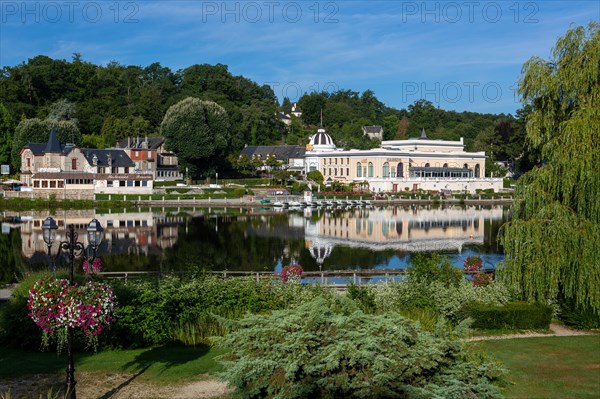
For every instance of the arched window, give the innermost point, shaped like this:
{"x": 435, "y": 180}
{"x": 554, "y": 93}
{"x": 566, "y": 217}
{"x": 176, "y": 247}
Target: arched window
{"x": 358, "y": 169}
{"x": 386, "y": 170}
{"x": 427, "y": 165}
{"x": 445, "y": 165}
{"x": 74, "y": 164}
{"x": 477, "y": 170}
{"x": 400, "y": 170}
{"x": 370, "y": 169}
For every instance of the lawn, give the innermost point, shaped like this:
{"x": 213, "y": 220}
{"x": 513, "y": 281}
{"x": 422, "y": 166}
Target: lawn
{"x": 549, "y": 367}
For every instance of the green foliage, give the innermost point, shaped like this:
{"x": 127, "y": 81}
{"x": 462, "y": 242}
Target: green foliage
{"x": 6, "y": 135}
{"x": 315, "y": 176}
{"x": 331, "y": 349}
{"x": 512, "y": 315}
{"x": 363, "y": 295}
{"x": 198, "y": 132}
{"x": 445, "y": 301}
{"x": 576, "y": 317}
{"x": 552, "y": 241}
{"x": 434, "y": 267}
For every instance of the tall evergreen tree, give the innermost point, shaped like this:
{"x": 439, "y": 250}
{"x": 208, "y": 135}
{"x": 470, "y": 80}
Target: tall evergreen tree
{"x": 552, "y": 241}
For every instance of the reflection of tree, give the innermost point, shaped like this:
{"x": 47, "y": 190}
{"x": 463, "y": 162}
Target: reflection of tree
{"x": 13, "y": 267}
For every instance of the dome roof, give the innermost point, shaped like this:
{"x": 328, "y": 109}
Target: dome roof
{"x": 322, "y": 141}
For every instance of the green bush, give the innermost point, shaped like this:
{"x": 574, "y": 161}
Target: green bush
{"x": 364, "y": 296}
{"x": 577, "y": 317}
{"x": 444, "y": 301}
{"x": 512, "y": 315}
{"x": 331, "y": 349}
{"x": 434, "y": 267}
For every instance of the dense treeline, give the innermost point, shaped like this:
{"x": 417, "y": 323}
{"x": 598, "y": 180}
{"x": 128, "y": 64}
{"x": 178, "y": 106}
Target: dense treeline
{"x": 106, "y": 103}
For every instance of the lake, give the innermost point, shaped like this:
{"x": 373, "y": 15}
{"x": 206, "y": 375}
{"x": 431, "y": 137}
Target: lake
{"x": 262, "y": 239}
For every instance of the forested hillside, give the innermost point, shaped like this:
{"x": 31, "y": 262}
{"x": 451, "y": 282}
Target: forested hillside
{"x": 96, "y": 105}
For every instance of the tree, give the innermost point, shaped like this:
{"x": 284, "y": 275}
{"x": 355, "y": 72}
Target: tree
{"x": 198, "y": 132}
{"x": 551, "y": 244}
{"x": 6, "y": 133}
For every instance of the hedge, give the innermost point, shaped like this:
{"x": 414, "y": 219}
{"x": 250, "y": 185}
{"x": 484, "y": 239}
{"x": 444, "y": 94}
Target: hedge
{"x": 513, "y": 315}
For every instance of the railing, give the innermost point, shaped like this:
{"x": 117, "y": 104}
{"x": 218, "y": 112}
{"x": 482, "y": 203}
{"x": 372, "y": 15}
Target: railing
{"x": 333, "y": 279}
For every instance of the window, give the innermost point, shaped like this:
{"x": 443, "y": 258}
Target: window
{"x": 109, "y": 183}
{"x": 121, "y": 183}
{"x": 126, "y": 169}
{"x": 129, "y": 183}
{"x": 358, "y": 169}
{"x": 52, "y": 183}
{"x": 370, "y": 169}
{"x": 477, "y": 170}
{"x": 144, "y": 183}
{"x": 386, "y": 170}
{"x": 29, "y": 162}
{"x": 36, "y": 184}
{"x": 74, "y": 164}
{"x": 347, "y": 171}
{"x": 427, "y": 165}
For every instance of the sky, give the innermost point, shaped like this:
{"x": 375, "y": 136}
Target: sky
{"x": 460, "y": 55}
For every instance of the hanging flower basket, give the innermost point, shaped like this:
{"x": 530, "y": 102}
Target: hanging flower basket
{"x": 55, "y": 306}
{"x": 291, "y": 273}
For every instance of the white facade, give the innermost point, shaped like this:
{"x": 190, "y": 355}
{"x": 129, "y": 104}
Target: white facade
{"x": 401, "y": 165}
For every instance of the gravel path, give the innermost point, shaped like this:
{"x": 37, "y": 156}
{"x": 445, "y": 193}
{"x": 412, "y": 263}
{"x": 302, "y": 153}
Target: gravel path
{"x": 556, "y": 330}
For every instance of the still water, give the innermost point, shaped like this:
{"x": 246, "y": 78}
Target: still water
{"x": 261, "y": 239}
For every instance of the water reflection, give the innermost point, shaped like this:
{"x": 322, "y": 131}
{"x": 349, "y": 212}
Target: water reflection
{"x": 264, "y": 239}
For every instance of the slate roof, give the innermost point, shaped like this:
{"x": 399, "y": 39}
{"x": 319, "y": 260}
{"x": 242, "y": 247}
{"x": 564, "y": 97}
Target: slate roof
{"x": 138, "y": 142}
{"x": 118, "y": 157}
{"x": 53, "y": 144}
{"x": 280, "y": 151}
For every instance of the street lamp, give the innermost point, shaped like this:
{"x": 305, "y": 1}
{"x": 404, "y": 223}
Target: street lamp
{"x": 49, "y": 228}
{"x": 74, "y": 248}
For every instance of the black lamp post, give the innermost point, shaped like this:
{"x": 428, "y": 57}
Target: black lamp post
{"x": 74, "y": 248}
{"x": 49, "y": 228}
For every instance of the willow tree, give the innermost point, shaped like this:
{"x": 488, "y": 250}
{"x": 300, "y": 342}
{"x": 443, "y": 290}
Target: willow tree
{"x": 552, "y": 243}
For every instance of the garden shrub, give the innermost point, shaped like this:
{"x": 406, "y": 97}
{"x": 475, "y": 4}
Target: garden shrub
{"x": 363, "y": 295}
{"x": 434, "y": 267}
{"x": 331, "y": 349}
{"x": 444, "y": 301}
{"x": 512, "y": 315}
{"x": 574, "y": 316}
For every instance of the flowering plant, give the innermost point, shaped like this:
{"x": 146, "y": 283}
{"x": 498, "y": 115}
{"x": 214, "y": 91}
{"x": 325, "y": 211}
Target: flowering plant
{"x": 291, "y": 273}
{"x": 55, "y": 306}
{"x": 482, "y": 279}
{"x": 473, "y": 264}
{"x": 93, "y": 268}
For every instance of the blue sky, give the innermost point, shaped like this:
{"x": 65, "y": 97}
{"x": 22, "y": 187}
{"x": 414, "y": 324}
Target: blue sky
{"x": 460, "y": 55}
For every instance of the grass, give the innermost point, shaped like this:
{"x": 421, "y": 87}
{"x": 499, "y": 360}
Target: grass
{"x": 171, "y": 363}
{"x": 549, "y": 367}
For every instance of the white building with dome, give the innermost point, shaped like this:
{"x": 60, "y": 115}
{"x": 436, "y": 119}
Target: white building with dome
{"x": 401, "y": 165}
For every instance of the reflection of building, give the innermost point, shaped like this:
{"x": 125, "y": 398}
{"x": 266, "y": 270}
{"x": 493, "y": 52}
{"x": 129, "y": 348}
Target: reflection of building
{"x": 401, "y": 165}
{"x": 124, "y": 233}
{"x": 411, "y": 229}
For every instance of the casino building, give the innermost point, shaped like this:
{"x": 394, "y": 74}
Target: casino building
{"x": 401, "y": 165}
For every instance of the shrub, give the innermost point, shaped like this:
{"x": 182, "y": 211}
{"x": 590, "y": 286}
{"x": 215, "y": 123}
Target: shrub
{"x": 512, "y": 315}
{"x": 364, "y": 296}
{"x": 574, "y": 316}
{"x": 444, "y": 301}
{"x": 434, "y": 267}
{"x": 331, "y": 349}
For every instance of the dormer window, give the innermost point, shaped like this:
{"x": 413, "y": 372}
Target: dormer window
{"x": 74, "y": 164}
